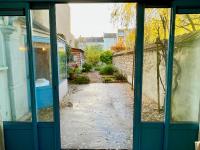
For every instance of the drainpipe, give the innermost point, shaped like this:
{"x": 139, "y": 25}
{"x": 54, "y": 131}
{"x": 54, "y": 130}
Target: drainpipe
{"x": 7, "y": 30}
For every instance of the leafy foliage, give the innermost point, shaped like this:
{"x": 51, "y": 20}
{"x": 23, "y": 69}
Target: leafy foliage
{"x": 108, "y": 80}
{"x": 62, "y": 61}
{"x": 92, "y": 54}
{"x": 119, "y": 46}
{"x": 81, "y": 80}
{"x": 73, "y": 72}
{"x": 108, "y": 70}
{"x": 86, "y": 67}
{"x": 119, "y": 76}
{"x": 106, "y": 57}
{"x": 156, "y": 29}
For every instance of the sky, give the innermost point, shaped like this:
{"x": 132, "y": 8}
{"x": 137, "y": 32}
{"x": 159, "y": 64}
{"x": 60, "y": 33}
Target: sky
{"x": 91, "y": 19}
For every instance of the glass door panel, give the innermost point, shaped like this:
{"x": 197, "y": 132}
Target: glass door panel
{"x": 42, "y": 64}
{"x": 186, "y": 69}
{"x": 156, "y": 33}
{"x": 15, "y": 101}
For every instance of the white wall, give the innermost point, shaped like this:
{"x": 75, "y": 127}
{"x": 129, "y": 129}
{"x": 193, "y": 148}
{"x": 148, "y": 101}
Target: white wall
{"x": 63, "y": 19}
{"x": 186, "y": 83}
{"x": 63, "y": 88}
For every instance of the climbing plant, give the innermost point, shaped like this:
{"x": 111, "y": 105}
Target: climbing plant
{"x": 156, "y": 29}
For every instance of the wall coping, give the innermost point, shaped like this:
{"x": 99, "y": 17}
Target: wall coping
{"x": 150, "y": 48}
{"x": 123, "y": 53}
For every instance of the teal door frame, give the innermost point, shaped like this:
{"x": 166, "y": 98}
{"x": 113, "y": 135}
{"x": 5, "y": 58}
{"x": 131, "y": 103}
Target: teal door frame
{"x": 179, "y": 132}
{"x": 161, "y": 135}
{"x": 35, "y": 135}
{"x": 42, "y": 135}
{"x": 14, "y": 128}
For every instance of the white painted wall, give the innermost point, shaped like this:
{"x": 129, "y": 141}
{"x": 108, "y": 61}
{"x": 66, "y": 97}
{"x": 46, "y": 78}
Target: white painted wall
{"x": 63, "y": 89}
{"x": 186, "y": 97}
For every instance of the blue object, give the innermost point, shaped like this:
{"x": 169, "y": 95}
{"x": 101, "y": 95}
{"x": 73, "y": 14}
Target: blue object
{"x": 44, "y": 97}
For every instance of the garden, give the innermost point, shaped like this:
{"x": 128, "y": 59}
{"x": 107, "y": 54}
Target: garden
{"x": 97, "y": 67}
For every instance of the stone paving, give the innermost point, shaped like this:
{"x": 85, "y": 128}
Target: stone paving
{"x": 100, "y": 117}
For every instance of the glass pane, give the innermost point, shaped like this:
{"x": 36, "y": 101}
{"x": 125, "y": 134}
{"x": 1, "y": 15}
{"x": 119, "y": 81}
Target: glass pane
{"x": 15, "y": 102}
{"x": 186, "y": 69}
{"x": 156, "y": 31}
{"x": 62, "y": 60}
{"x": 42, "y": 58}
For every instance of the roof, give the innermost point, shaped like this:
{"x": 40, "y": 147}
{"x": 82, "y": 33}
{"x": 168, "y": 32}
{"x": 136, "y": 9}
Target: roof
{"x": 110, "y": 35}
{"x": 78, "y": 49}
{"x": 91, "y": 39}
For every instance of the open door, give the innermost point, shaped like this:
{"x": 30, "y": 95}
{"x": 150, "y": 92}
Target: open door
{"x": 29, "y": 102}
{"x": 15, "y": 79}
{"x": 183, "y": 73}
{"x": 179, "y": 126}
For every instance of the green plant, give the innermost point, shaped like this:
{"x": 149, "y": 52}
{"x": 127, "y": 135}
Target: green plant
{"x": 106, "y": 57}
{"x": 119, "y": 76}
{"x": 108, "y": 70}
{"x": 78, "y": 70}
{"x": 62, "y": 65}
{"x": 92, "y": 54}
{"x": 73, "y": 72}
{"x": 81, "y": 80}
{"x": 108, "y": 80}
{"x": 86, "y": 67}
{"x": 97, "y": 68}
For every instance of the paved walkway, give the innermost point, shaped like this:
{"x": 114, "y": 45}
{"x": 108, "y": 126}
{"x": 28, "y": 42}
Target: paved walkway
{"x": 101, "y": 117}
{"x": 94, "y": 76}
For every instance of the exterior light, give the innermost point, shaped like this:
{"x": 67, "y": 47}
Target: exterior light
{"x": 22, "y": 48}
{"x": 43, "y": 49}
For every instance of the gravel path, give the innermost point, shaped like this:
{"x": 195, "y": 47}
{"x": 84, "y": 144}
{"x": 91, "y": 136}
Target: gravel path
{"x": 94, "y": 76}
{"x": 100, "y": 115}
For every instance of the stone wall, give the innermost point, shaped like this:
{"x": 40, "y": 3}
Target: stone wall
{"x": 185, "y": 95}
{"x": 124, "y": 62}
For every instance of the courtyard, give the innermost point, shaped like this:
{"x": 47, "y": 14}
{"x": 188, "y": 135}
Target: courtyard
{"x": 100, "y": 115}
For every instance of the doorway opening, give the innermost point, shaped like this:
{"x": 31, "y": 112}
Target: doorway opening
{"x": 97, "y": 68}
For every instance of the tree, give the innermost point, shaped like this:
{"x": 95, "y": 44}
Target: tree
{"x": 92, "y": 54}
{"x": 119, "y": 46}
{"x": 106, "y": 57}
{"x": 156, "y": 29}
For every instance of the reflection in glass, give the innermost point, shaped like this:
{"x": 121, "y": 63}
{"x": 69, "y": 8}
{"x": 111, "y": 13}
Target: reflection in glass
{"x": 156, "y": 31}
{"x": 62, "y": 60}
{"x": 186, "y": 69}
{"x": 42, "y": 59}
{"x": 15, "y": 102}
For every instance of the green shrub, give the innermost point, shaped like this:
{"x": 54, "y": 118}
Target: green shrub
{"x": 81, "y": 80}
{"x": 92, "y": 54}
{"x": 119, "y": 76}
{"x": 86, "y": 67}
{"x": 73, "y": 72}
{"x": 108, "y": 70}
{"x": 97, "y": 68}
{"x": 78, "y": 70}
{"x": 106, "y": 57}
{"x": 108, "y": 80}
